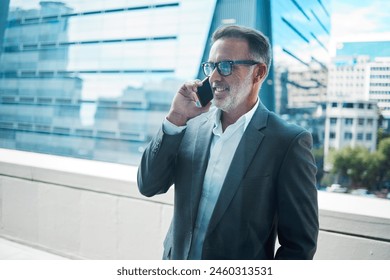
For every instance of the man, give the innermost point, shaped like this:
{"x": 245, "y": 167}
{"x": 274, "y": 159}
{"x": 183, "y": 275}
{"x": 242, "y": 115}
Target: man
{"x": 241, "y": 175}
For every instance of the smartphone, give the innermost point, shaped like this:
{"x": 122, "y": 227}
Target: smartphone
{"x": 205, "y": 94}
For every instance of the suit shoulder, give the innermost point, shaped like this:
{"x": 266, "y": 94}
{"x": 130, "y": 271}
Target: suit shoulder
{"x": 281, "y": 126}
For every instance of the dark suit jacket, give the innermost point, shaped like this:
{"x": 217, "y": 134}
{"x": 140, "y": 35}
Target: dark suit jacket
{"x": 269, "y": 190}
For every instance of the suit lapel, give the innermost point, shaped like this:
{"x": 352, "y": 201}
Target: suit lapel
{"x": 242, "y": 158}
{"x": 200, "y": 160}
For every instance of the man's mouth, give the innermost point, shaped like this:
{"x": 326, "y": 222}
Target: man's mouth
{"x": 219, "y": 89}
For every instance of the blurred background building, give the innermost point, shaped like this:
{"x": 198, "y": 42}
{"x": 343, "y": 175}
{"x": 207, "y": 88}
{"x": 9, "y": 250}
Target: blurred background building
{"x": 94, "y": 80}
{"x": 361, "y": 71}
{"x": 350, "y": 123}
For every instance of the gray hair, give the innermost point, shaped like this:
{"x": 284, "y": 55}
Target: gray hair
{"x": 259, "y": 45}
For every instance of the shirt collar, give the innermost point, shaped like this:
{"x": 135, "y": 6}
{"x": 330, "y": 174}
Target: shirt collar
{"x": 246, "y": 118}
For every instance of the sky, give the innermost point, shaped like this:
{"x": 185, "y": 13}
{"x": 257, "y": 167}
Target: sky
{"x": 360, "y": 20}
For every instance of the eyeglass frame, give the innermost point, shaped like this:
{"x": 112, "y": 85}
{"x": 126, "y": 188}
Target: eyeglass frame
{"x": 231, "y": 63}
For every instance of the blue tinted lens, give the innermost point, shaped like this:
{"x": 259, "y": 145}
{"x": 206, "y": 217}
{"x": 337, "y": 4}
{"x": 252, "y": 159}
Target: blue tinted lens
{"x": 225, "y": 68}
{"x": 208, "y": 68}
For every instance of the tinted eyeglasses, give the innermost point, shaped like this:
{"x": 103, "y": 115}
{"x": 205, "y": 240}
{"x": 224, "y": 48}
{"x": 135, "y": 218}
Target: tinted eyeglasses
{"x": 225, "y": 68}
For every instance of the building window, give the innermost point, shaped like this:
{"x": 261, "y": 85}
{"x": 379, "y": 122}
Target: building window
{"x": 361, "y": 121}
{"x": 334, "y": 104}
{"x": 359, "y": 136}
{"x": 369, "y": 136}
{"x": 332, "y": 135}
{"x": 348, "y": 136}
{"x": 347, "y": 105}
{"x": 333, "y": 121}
{"x": 348, "y": 121}
{"x": 370, "y": 122}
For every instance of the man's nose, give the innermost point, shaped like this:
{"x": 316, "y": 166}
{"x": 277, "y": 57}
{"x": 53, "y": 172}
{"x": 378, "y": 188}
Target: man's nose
{"x": 215, "y": 76}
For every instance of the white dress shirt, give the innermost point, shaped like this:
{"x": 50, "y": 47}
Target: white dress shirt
{"x": 222, "y": 149}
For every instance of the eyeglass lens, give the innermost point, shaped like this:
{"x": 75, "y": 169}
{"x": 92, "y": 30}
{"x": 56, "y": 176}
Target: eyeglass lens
{"x": 224, "y": 68}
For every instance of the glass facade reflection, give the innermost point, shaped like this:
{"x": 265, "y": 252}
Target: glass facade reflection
{"x": 94, "y": 79}
{"x": 301, "y": 31}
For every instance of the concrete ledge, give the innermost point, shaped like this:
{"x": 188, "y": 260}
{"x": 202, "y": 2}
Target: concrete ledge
{"x": 110, "y": 178}
{"x": 355, "y": 225}
{"x": 85, "y": 209}
{"x": 352, "y": 204}
{"x": 336, "y": 246}
{"x": 80, "y": 209}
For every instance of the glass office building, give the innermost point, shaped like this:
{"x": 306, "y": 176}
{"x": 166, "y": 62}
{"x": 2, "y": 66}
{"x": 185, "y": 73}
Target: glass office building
{"x": 94, "y": 79}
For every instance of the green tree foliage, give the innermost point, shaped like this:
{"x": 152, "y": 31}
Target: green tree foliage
{"x": 383, "y": 158}
{"x": 364, "y": 169}
{"x": 353, "y": 163}
{"x": 382, "y": 134}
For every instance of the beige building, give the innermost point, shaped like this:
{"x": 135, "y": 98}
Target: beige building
{"x": 358, "y": 78}
{"x": 350, "y": 123}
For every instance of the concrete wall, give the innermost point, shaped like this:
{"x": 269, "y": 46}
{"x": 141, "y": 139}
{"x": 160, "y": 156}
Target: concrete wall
{"x": 79, "y": 209}
{"x": 92, "y": 210}
{"x": 346, "y": 236}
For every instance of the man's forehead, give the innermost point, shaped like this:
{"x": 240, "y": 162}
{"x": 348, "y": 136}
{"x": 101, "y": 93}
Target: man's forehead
{"x": 229, "y": 49}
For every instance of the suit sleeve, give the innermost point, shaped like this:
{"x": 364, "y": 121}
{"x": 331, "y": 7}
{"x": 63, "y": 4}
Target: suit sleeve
{"x": 297, "y": 201}
{"x": 156, "y": 172}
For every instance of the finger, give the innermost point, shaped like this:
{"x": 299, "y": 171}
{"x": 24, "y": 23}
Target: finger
{"x": 196, "y": 100}
{"x": 195, "y": 84}
{"x": 198, "y": 83}
{"x": 188, "y": 88}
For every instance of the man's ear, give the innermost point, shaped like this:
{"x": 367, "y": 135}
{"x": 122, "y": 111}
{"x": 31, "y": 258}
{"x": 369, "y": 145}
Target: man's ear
{"x": 260, "y": 72}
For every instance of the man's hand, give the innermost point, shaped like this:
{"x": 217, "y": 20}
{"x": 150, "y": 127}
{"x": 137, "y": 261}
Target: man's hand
{"x": 184, "y": 107}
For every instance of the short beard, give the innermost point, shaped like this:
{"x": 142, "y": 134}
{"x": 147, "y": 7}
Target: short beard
{"x": 237, "y": 94}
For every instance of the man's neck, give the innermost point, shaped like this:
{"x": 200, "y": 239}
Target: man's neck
{"x": 229, "y": 118}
